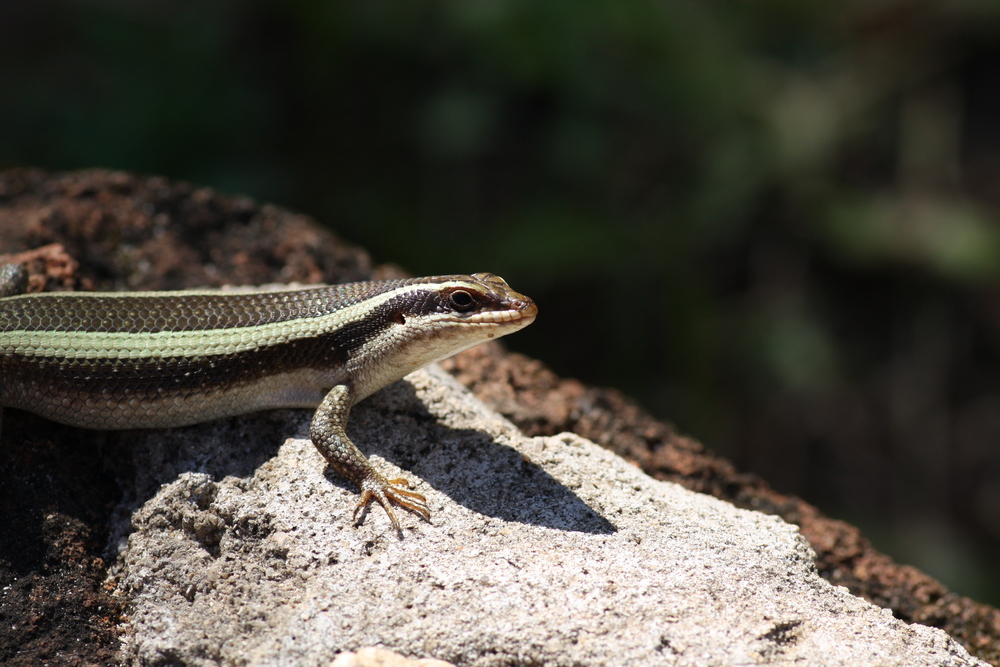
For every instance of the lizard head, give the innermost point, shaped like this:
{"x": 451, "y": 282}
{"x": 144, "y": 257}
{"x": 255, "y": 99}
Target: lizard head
{"x": 425, "y": 320}
{"x": 483, "y": 299}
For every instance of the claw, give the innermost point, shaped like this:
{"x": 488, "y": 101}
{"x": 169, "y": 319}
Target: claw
{"x": 386, "y": 492}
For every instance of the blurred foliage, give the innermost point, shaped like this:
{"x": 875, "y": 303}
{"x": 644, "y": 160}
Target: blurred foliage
{"x": 776, "y": 223}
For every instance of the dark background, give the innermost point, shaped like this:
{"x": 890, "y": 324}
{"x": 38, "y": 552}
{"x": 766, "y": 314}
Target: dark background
{"x": 775, "y": 223}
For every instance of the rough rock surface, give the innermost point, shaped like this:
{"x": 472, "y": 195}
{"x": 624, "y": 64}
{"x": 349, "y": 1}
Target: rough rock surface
{"x": 545, "y": 550}
{"x": 541, "y": 403}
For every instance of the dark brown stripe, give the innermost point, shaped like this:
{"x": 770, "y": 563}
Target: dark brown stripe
{"x": 152, "y": 378}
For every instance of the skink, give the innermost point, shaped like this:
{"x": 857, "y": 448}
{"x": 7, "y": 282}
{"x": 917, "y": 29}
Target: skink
{"x": 133, "y": 360}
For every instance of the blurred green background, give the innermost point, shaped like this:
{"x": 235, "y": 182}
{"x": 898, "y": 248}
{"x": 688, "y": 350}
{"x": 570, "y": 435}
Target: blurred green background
{"x": 775, "y": 223}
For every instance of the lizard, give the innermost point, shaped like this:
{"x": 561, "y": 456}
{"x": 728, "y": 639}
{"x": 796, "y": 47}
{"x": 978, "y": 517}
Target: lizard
{"x": 140, "y": 360}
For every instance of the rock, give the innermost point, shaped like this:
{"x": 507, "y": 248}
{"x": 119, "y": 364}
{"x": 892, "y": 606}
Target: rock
{"x": 542, "y": 550}
{"x": 114, "y": 230}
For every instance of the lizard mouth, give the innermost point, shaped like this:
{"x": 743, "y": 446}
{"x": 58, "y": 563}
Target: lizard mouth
{"x": 524, "y": 310}
{"x": 521, "y": 312}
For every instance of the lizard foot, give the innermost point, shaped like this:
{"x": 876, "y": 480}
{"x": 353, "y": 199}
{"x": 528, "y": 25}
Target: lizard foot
{"x": 387, "y": 492}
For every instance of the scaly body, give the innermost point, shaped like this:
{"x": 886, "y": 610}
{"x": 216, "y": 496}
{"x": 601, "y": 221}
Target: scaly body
{"x": 161, "y": 359}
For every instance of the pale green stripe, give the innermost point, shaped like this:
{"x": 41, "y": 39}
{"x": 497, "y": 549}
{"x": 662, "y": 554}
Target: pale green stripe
{"x": 110, "y": 345}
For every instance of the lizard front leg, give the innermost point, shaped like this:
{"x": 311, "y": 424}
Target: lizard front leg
{"x": 328, "y": 434}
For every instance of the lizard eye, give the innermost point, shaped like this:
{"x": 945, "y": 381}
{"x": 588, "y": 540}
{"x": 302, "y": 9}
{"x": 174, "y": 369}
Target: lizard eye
{"x": 461, "y": 301}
